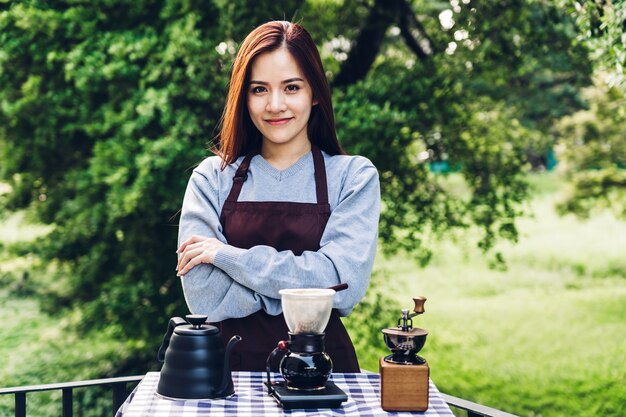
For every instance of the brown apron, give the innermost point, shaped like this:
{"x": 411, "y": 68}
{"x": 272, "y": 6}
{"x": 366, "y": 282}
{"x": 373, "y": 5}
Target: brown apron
{"x": 283, "y": 226}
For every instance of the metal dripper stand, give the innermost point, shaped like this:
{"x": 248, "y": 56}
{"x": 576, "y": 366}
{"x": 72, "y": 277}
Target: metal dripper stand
{"x": 403, "y": 374}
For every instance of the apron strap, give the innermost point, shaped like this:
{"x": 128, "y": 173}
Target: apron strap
{"x": 240, "y": 177}
{"x": 321, "y": 188}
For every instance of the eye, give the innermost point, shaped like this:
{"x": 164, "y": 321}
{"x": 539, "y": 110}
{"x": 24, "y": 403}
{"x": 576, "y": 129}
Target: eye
{"x": 292, "y": 88}
{"x": 258, "y": 89}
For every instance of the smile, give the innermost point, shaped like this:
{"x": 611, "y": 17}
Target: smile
{"x": 278, "y": 122}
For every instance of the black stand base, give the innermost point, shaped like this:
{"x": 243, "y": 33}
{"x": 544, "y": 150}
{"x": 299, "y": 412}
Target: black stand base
{"x": 330, "y": 397}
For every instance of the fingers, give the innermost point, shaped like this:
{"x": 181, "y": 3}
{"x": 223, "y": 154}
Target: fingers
{"x": 192, "y": 239}
{"x": 196, "y": 250}
{"x": 190, "y": 243}
{"x": 192, "y": 262}
{"x": 189, "y": 254}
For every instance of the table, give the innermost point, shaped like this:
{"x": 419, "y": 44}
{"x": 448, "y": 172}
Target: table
{"x": 251, "y": 400}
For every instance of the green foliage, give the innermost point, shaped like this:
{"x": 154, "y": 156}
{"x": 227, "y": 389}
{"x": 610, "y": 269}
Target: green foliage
{"x": 103, "y": 114}
{"x": 602, "y": 29}
{"x": 105, "y": 108}
{"x": 593, "y": 146}
{"x": 381, "y": 312}
{"x": 523, "y": 53}
{"x": 404, "y": 187}
{"x": 242, "y": 16}
{"x": 593, "y": 141}
{"x": 482, "y": 105}
{"x": 542, "y": 338}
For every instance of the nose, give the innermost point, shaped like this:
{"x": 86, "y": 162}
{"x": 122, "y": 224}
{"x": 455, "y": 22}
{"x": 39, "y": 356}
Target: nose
{"x": 276, "y": 102}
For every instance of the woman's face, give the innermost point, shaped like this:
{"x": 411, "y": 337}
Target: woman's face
{"x": 279, "y": 99}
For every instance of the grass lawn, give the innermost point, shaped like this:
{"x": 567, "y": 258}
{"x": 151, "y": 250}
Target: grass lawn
{"x": 38, "y": 349}
{"x": 546, "y": 337}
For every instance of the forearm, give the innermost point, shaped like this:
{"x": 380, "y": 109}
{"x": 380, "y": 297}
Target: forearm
{"x": 266, "y": 271}
{"x": 210, "y": 291}
{"x": 207, "y": 289}
{"x": 346, "y": 254}
{"x": 257, "y": 275}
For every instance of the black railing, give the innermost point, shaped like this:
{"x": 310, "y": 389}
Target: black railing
{"x": 118, "y": 384}
{"x": 473, "y": 409}
{"x": 119, "y": 396}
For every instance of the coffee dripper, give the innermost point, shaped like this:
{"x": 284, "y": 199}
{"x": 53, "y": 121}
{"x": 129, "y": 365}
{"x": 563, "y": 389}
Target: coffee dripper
{"x": 305, "y": 366}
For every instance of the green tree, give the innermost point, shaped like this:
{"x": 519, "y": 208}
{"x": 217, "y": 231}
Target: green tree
{"x": 593, "y": 140}
{"x": 106, "y": 106}
{"x": 593, "y": 147}
{"x": 602, "y": 26}
{"x": 474, "y": 85}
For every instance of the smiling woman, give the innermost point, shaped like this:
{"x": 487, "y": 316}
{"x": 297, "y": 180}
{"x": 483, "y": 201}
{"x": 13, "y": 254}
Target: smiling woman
{"x": 262, "y": 216}
{"x": 279, "y": 103}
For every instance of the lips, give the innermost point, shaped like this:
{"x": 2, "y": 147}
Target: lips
{"x": 278, "y": 122}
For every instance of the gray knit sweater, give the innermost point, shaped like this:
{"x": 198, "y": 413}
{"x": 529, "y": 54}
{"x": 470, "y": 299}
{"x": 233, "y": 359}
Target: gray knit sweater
{"x": 243, "y": 281}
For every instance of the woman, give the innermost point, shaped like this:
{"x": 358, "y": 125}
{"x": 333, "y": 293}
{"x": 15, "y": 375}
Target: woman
{"x": 282, "y": 206}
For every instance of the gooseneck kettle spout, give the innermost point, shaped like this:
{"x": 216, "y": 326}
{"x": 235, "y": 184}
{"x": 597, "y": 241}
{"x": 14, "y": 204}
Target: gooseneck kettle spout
{"x": 227, "y": 377}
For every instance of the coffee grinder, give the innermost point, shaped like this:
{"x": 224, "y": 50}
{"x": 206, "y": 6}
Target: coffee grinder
{"x": 305, "y": 366}
{"x": 403, "y": 374}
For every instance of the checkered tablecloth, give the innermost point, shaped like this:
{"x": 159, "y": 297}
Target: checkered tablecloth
{"x": 251, "y": 400}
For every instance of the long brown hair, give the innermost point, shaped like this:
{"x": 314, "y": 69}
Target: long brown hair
{"x": 238, "y": 135}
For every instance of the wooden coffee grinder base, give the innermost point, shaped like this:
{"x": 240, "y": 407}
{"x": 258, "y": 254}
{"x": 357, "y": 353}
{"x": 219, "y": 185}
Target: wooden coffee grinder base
{"x": 403, "y": 387}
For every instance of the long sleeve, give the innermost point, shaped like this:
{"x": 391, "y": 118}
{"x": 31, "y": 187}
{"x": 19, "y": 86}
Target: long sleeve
{"x": 346, "y": 254}
{"x": 207, "y": 289}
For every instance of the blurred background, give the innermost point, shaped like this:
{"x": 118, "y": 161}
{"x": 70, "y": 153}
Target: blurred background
{"x": 498, "y": 129}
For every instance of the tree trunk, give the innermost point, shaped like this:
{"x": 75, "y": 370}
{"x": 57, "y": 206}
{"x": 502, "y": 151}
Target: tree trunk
{"x": 368, "y": 42}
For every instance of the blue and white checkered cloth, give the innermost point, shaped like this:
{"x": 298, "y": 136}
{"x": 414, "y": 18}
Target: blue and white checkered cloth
{"x": 252, "y": 400}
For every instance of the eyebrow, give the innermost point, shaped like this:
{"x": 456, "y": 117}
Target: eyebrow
{"x": 287, "y": 81}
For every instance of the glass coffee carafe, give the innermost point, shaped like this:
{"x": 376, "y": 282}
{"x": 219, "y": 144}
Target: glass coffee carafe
{"x": 305, "y": 366}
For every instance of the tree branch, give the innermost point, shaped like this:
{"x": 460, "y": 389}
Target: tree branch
{"x": 367, "y": 44}
{"x": 410, "y": 41}
{"x": 408, "y": 20}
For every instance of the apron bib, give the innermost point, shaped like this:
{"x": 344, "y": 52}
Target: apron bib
{"x": 283, "y": 226}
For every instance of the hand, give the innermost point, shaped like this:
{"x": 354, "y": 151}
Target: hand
{"x": 196, "y": 250}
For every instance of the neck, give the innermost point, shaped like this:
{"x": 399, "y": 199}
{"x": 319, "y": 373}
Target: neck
{"x": 283, "y": 156}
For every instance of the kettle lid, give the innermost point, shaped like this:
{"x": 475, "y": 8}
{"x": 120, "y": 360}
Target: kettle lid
{"x": 197, "y": 326}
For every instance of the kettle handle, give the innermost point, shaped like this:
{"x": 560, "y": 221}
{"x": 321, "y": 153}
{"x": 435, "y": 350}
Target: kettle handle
{"x": 174, "y": 321}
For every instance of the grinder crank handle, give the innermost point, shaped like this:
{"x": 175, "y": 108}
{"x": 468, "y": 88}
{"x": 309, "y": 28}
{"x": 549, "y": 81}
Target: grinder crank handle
{"x": 406, "y": 322}
{"x": 419, "y": 305}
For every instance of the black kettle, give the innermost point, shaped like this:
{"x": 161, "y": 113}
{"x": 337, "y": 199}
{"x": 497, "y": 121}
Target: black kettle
{"x": 196, "y": 364}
